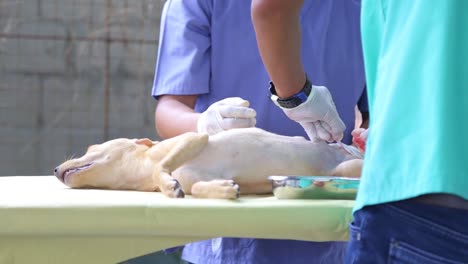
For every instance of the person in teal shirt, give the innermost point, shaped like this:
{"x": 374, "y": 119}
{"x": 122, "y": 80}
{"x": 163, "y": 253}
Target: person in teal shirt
{"x": 412, "y": 203}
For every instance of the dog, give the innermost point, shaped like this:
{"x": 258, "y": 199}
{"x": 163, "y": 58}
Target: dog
{"x": 223, "y": 165}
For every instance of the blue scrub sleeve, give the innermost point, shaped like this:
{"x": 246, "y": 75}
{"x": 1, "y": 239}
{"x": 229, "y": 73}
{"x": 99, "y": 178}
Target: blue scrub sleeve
{"x": 183, "y": 61}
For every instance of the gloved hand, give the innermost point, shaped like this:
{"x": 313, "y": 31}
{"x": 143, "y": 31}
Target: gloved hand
{"x": 229, "y": 113}
{"x": 318, "y": 116}
{"x": 360, "y": 138}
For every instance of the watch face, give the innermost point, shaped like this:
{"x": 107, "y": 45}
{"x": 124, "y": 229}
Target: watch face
{"x": 294, "y": 101}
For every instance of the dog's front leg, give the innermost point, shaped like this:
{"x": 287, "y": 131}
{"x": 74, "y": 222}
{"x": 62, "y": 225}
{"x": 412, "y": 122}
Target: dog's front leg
{"x": 167, "y": 184}
{"x": 179, "y": 151}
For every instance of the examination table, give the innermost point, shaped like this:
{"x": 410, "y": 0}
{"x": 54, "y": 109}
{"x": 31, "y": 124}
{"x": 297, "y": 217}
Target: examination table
{"x": 43, "y": 221}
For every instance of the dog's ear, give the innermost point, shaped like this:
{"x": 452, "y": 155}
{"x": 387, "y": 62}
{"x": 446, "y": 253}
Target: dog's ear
{"x": 144, "y": 141}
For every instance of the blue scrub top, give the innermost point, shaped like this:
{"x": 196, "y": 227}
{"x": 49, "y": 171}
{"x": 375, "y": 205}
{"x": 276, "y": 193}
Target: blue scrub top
{"x": 208, "y": 48}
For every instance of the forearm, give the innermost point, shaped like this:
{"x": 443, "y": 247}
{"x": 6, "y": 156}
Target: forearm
{"x": 174, "y": 115}
{"x": 365, "y": 120}
{"x": 278, "y": 32}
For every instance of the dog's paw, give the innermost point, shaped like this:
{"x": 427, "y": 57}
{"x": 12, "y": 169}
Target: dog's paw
{"x": 173, "y": 189}
{"x": 219, "y": 189}
{"x": 229, "y": 189}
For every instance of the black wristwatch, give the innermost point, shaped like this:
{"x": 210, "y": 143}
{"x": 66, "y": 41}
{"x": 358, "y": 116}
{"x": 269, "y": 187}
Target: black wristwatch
{"x": 294, "y": 100}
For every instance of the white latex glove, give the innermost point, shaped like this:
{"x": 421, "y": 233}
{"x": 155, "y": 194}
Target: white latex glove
{"x": 318, "y": 116}
{"x": 229, "y": 113}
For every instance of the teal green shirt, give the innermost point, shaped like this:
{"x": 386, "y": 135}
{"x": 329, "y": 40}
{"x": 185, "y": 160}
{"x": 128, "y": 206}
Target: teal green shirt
{"x": 416, "y": 61}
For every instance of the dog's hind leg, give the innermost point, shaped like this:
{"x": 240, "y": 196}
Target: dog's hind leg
{"x": 223, "y": 189}
{"x": 349, "y": 168}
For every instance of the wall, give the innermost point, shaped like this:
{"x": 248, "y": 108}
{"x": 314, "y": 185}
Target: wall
{"x": 73, "y": 73}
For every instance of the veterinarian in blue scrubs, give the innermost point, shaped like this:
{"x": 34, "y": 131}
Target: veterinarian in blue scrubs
{"x": 208, "y": 52}
{"x": 412, "y": 203}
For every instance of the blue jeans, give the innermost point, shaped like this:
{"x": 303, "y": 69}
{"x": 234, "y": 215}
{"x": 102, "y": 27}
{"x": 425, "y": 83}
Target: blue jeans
{"x": 408, "y": 232}
{"x": 263, "y": 251}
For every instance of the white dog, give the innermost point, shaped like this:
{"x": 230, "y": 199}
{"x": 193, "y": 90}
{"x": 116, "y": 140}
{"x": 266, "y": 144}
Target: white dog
{"x": 219, "y": 166}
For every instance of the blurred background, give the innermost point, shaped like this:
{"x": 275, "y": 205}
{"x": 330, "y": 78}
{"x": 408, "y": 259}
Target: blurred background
{"x": 73, "y": 73}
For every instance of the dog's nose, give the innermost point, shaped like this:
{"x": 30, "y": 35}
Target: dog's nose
{"x": 56, "y": 170}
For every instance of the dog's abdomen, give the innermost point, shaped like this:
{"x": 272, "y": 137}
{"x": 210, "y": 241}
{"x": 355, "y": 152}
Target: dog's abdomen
{"x": 248, "y": 156}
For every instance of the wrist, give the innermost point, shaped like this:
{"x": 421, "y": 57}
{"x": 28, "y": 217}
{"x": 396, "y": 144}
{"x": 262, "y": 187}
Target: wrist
{"x": 294, "y": 100}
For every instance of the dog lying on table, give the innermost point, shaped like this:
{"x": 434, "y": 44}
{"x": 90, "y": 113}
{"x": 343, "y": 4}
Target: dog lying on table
{"x": 219, "y": 166}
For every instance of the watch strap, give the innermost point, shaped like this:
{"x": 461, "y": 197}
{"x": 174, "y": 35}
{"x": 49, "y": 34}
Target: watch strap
{"x": 294, "y": 100}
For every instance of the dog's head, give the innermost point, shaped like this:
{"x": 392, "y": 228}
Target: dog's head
{"x": 115, "y": 164}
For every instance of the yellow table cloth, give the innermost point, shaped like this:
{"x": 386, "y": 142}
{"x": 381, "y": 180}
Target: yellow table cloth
{"x": 43, "y": 221}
